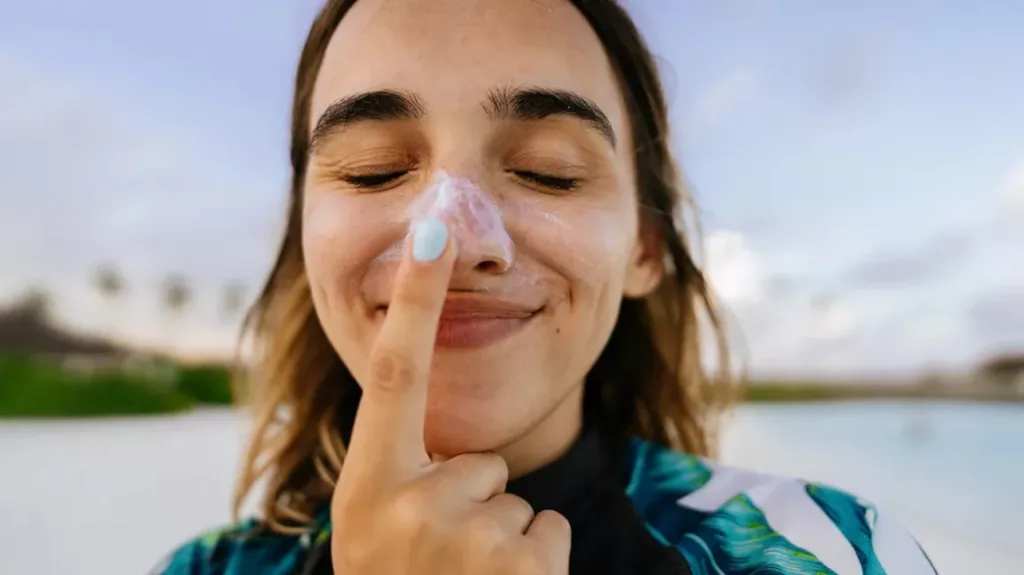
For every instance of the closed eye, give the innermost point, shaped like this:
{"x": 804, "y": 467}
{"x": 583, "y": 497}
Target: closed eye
{"x": 370, "y": 181}
{"x": 551, "y": 182}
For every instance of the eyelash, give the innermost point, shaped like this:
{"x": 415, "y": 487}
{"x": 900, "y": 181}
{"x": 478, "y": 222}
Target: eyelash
{"x": 372, "y": 181}
{"x": 550, "y": 182}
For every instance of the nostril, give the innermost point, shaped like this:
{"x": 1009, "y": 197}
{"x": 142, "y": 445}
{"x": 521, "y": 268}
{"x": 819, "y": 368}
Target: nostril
{"x": 489, "y": 267}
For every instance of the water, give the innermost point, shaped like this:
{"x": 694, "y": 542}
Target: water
{"x": 953, "y": 473}
{"x": 110, "y": 497}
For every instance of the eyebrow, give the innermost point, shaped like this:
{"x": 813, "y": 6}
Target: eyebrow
{"x": 379, "y": 106}
{"x": 520, "y": 104}
{"x": 540, "y": 103}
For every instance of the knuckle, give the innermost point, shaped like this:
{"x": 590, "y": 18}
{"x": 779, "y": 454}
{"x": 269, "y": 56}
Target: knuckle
{"x": 465, "y": 459}
{"x": 411, "y": 509}
{"x": 484, "y": 469}
{"x": 558, "y": 522}
{"x": 488, "y": 462}
{"x": 514, "y": 504}
{"x": 496, "y": 464}
{"x": 523, "y": 505}
{"x": 391, "y": 371}
{"x": 495, "y": 461}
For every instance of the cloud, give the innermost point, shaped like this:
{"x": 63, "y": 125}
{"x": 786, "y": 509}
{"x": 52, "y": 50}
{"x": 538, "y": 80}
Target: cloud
{"x": 84, "y": 183}
{"x": 795, "y": 336}
{"x": 774, "y": 320}
{"x": 939, "y": 256}
{"x": 782, "y": 324}
{"x": 1012, "y": 190}
{"x": 997, "y": 318}
{"x": 834, "y": 320}
{"x": 733, "y": 269}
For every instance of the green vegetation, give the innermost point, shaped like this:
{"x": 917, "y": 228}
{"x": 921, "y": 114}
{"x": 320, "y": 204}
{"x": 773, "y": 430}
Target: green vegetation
{"x": 36, "y": 388}
{"x": 764, "y": 392}
{"x": 773, "y": 391}
{"x": 206, "y": 384}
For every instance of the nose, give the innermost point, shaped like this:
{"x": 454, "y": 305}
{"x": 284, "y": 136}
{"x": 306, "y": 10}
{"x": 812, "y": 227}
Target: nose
{"x": 476, "y": 223}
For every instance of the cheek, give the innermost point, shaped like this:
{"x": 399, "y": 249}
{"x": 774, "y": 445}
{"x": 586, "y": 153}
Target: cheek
{"x": 342, "y": 234}
{"x": 588, "y": 246}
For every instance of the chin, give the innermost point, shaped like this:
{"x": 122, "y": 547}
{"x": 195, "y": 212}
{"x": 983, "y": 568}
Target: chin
{"x": 464, "y": 425}
{"x": 450, "y": 438}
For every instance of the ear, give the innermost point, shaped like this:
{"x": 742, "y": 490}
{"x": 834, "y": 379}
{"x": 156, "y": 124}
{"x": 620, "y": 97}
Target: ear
{"x": 646, "y": 265}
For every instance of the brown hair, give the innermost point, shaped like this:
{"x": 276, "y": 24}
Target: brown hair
{"x": 649, "y": 381}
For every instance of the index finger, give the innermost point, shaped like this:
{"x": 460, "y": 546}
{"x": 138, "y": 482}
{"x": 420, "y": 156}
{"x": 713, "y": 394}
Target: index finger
{"x": 388, "y": 427}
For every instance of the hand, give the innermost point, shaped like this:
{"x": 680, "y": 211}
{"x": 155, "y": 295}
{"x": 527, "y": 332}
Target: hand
{"x": 396, "y": 512}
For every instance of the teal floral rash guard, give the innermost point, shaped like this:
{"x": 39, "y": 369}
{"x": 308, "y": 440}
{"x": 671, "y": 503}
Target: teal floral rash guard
{"x": 666, "y": 512}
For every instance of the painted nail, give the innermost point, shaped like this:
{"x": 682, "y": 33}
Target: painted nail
{"x": 428, "y": 240}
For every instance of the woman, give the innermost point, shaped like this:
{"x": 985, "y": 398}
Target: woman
{"x": 481, "y": 207}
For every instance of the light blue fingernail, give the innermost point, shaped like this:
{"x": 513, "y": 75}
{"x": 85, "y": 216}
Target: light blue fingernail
{"x": 428, "y": 240}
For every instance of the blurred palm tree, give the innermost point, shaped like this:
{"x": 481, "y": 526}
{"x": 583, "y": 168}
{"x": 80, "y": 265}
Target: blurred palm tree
{"x": 109, "y": 281}
{"x": 177, "y": 295}
{"x": 35, "y": 302}
{"x": 233, "y": 300}
{"x": 110, "y": 284}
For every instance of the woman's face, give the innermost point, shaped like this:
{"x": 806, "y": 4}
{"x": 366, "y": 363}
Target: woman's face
{"x": 503, "y": 119}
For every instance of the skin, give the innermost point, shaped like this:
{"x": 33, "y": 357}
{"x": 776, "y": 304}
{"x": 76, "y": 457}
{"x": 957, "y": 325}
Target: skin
{"x": 577, "y": 252}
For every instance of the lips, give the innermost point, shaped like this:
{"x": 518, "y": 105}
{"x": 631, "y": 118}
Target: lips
{"x": 476, "y": 307}
{"x": 474, "y": 320}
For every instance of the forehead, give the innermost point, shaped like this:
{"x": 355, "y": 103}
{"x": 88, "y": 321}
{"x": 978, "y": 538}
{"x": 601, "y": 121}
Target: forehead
{"x": 451, "y": 53}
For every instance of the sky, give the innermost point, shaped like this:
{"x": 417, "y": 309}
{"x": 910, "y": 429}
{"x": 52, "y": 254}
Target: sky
{"x": 858, "y": 167}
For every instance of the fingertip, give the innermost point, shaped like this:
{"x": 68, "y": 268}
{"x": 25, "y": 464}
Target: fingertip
{"x": 430, "y": 237}
{"x": 554, "y": 523}
{"x": 552, "y": 538}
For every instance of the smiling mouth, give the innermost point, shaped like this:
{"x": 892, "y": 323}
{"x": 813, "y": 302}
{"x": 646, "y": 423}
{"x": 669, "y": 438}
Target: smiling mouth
{"x": 474, "y": 322}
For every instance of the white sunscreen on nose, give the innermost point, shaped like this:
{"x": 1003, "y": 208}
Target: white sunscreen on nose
{"x": 473, "y": 217}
